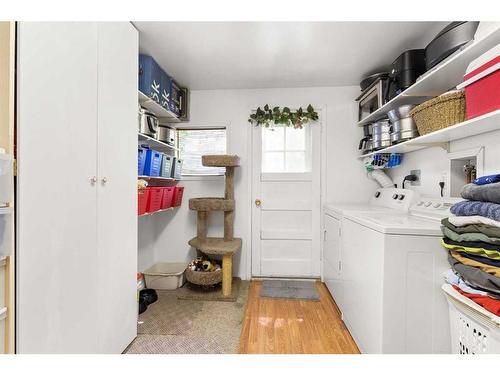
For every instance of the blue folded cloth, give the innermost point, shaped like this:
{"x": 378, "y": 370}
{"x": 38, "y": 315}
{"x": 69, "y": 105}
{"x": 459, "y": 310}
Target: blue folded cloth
{"x": 472, "y": 208}
{"x": 487, "y": 179}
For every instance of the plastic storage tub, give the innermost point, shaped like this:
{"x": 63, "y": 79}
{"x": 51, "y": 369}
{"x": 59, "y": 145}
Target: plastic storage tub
{"x": 177, "y": 169}
{"x": 166, "y": 87}
{"x": 166, "y": 166}
{"x": 3, "y": 316}
{"x": 474, "y": 330}
{"x": 168, "y": 195}
{"x": 152, "y": 166}
{"x": 482, "y": 84}
{"x": 165, "y": 276}
{"x": 177, "y": 199}
{"x": 141, "y": 160}
{"x": 154, "y": 199}
{"x": 150, "y": 75}
{"x": 142, "y": 201}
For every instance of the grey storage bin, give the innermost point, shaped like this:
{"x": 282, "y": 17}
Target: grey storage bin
{"x": 177, "y": 168}
{"x": 166, "y": 166}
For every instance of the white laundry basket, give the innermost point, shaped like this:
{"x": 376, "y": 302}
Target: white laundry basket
{"x": 474, "y": 330}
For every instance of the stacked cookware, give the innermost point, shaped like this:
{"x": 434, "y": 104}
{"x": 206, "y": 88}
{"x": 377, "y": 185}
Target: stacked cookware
{"x": 402, "y": 126}
{"x": 381, "y": 134}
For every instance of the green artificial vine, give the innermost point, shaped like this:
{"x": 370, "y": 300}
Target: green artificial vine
{"x": 286, "y": 117}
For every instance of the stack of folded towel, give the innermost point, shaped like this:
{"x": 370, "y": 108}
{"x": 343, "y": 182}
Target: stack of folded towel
{"x": 472, "y": 237}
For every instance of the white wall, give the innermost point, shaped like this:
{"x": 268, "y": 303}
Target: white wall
{"x": 433, "y": 162}
{"x": 345, "y": 178}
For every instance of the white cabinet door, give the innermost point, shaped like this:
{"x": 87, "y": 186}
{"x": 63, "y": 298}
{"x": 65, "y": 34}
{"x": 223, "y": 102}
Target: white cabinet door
{"x": 117, "y": 179}
{"x": 57, "y": 268}
{"x": 332, "y": 259}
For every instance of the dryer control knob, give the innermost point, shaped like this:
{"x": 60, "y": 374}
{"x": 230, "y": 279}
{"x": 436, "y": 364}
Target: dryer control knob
{"x": 395, "y": 196}
{"x": 401, "y": 197}
{"x": 377, "y": 194}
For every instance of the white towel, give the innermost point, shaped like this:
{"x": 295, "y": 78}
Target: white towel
{"x": 460, "y": 221}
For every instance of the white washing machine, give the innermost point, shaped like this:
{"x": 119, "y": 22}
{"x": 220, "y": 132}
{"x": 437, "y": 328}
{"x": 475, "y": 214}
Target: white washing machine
{"x": 392, "y": 265}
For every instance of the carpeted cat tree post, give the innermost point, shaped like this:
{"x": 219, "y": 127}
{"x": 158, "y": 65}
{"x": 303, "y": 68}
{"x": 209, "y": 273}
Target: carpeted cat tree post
{"x": 212, "y": 246}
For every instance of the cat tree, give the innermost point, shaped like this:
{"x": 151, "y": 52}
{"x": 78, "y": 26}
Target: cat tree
{"x": 212, "y": 246}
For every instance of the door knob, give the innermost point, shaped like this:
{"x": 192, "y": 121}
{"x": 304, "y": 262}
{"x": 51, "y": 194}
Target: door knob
{"x": 258, "y": 202}
{"x": 93, "y": 180}
{"x": 104, "y": 180}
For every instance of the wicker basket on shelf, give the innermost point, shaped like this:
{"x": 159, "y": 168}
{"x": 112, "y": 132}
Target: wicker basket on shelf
{"x": 204, "y": 278}
{"x": 440, "y": 112}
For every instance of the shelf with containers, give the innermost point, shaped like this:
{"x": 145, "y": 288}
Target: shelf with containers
{"x": 479, "y": 125}
{"x": 448, "y": 74}
{"x": 160, "y": 93}
{"x": 161, "y": 171}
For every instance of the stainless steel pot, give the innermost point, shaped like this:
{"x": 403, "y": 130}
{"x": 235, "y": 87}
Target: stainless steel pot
{"x": 404, "y": 125}
{"x": 400, "y": 112}
{"x": 148, "y": 123}
{"x": 381, "y": 134}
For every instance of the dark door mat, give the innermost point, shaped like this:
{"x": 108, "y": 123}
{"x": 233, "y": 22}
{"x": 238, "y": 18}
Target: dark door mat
{"x": 194, "y": 292}
{"x": 290, "y": 289}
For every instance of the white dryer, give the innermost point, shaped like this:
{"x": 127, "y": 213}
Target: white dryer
{"x": 392, "y": 265}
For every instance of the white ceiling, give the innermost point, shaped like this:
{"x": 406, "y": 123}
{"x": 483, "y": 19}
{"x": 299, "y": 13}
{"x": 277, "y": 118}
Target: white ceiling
{"x": 223, "y": 55}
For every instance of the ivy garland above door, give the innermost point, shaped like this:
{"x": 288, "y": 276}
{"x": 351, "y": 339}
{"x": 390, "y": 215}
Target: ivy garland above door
{"x": 285, "y": 117}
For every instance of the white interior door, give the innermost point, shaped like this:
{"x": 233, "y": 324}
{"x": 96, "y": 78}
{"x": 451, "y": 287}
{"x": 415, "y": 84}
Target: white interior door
{"x": 57, "y": 201}
{"x": 118, "y": 51}
{"x": 286, "y": 201}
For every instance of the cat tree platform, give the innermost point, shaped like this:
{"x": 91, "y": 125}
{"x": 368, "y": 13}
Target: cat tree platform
{"x": 211, "y": 204}
{"x": 228, "y": 245}
{"x": 220, "y": 160}
{"x": 216, "y": 246}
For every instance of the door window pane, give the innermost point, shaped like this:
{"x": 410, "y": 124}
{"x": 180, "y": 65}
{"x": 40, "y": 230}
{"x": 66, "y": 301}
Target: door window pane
{"x": 273, "y": 162}
{"x": 295, "y": 161}
{"x": 286, "y": 150}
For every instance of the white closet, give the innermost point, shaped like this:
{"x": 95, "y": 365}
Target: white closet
{"x": 77, "y": 210}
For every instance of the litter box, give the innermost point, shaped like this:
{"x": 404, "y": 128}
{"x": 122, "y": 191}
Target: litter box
{"x": 165, "y": 276}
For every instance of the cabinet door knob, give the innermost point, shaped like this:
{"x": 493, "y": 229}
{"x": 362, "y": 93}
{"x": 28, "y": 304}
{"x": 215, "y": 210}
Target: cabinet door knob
{"x": 104, "y": 180}
{"x": 93, "y": 180}
{"x": 258, "y": 202}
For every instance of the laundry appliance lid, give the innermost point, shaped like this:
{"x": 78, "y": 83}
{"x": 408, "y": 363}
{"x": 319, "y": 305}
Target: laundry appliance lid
{"x": 390, "y": 222}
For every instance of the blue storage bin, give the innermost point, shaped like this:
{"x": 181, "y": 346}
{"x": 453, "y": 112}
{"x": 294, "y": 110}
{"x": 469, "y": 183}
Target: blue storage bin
{"x": 150, "y": 76}
{"x": 166, "y": 166}
{"x": 175, "y": 98}
{"x": 166, "y": 83}
{"x": 177, "y": 169}
{"x": 152, "y": 166}
{"x": 141, "y": 160}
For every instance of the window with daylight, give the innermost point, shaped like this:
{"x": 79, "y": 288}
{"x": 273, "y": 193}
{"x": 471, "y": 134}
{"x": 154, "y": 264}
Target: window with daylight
{"x": 195, "y": 142}
{"x": 286, "y": 150}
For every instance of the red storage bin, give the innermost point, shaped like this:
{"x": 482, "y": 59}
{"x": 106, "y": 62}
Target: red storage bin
{"x": 155, "y": 197}
{"x": 142, "y": 201}
{"x": 168, "y": 195}
{"x": 177, "y": 199}
{"x": 482, "y": 84}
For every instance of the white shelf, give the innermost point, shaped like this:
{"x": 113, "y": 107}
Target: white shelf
{"x": 157, "y": 212}
{"x": 155, "y": 178}
{"x": 155, "y": 143}
{"x": 479, "y": 125}
{"x": 440, "y": 79}
{"x": 164, "y": 115}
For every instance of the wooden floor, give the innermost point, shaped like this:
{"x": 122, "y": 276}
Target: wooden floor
{"x": 286, "y": 326}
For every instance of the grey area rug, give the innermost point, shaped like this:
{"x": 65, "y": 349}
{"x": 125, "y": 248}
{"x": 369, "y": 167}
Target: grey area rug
{"x": 290, "y": 289}
{"x": 176, "y": 326}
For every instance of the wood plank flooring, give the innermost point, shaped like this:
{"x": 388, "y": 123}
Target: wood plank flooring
{"x": 286, "y": 326}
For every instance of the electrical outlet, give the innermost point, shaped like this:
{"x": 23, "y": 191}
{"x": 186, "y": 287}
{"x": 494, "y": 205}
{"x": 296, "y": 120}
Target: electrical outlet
{"x": 416, "y": 172}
